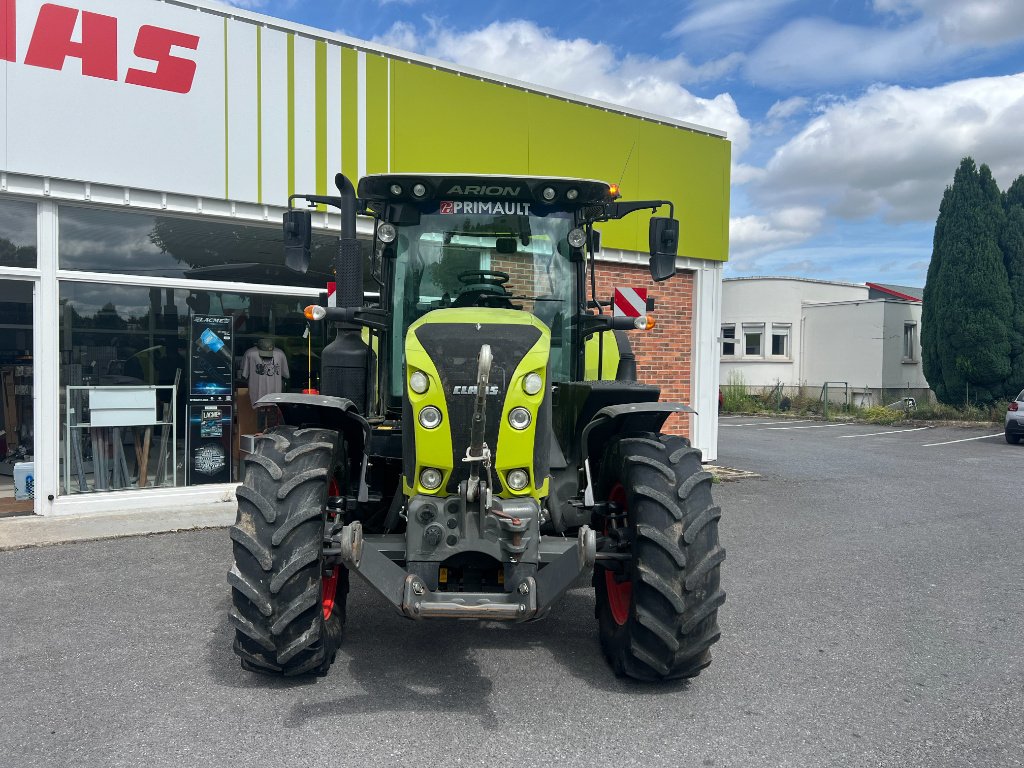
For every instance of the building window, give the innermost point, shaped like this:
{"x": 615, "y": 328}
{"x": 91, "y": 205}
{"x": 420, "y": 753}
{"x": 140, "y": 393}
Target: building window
{"x": 95, "y": 240}
{"x": 17, "y": 234}
{"x": 728, "y": 341}
{"x": 909, "y": 342}
{"x": 780, "y": 340}
{"x": 753, "y": 340}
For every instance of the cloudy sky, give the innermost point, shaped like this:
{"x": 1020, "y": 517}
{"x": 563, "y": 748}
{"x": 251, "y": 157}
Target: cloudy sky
{"x": 847, "y": 117}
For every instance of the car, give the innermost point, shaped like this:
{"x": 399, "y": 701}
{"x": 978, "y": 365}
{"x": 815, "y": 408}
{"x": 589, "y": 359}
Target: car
{"x": 1014, "y": 429}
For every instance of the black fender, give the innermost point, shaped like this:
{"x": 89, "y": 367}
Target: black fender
{"x": 614, "y": 420}
{"x": 337, "y": 413}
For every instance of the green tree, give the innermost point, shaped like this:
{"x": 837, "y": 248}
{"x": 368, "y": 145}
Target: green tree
{"x": 1012, "y": 242}
{"x": 966, "y": 317}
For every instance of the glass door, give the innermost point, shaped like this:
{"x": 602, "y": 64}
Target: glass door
{"x": 17, "y": 388}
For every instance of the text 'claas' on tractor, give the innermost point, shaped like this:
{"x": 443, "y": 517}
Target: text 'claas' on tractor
{"x": 481, "y": 440}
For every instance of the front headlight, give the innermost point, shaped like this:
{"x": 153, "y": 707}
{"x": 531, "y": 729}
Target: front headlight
{"x": 532, "y": 383}
{"x": 518, "y": 479}
{"x": 418, "y": 382}
{"x": 430, "y": 417}
{"x": 519, "y": 418}
{"x": 430, "y": 478}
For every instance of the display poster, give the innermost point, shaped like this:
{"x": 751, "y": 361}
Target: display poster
{"x": 211, "y": 399}
{"x": 209, "y": 439}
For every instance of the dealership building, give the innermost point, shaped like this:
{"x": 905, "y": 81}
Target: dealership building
{"x": 147, "y": 152}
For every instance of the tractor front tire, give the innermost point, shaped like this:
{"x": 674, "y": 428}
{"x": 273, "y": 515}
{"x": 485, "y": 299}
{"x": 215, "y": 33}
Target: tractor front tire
{"x": 658, "y": 614}
{"x": 287, "y": 612}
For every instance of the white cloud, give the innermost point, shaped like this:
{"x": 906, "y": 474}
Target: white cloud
{"x": 892, "y": 151}
{"x": 726, "y": 22}
{"x": 922, "y": 35}
{"x": 525, "y": 51}
{"x": 753, "y": 235}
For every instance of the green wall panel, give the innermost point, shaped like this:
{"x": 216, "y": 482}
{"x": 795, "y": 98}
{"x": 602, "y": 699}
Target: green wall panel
{"x": 691, "y": 170}
{"x": 443, "y": 122}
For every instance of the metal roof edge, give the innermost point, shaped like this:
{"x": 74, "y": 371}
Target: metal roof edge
{"x": 230, "y": 11}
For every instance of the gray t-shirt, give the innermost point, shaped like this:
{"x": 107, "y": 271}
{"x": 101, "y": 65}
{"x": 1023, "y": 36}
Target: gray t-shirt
{"x": 264, "y": 374}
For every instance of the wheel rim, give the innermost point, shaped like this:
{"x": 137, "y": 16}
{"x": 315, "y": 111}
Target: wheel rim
{"x": 329, "y": 582}
{"x": 620, "y": 593}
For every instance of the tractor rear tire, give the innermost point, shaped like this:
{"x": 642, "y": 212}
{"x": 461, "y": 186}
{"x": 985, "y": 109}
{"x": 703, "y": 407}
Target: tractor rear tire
{"x": 658, "y": 616}
{"x": 287, "y": 612}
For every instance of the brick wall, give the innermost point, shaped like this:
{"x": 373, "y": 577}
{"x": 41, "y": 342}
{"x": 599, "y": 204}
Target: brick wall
{"x": 664, "y": 354}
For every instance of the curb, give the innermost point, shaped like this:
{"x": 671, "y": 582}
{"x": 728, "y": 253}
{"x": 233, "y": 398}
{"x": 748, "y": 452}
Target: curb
{"x": 20, "y": 532}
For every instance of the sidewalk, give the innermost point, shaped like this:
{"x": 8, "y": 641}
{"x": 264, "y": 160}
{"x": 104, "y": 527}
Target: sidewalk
{"x": 17, "y": 532}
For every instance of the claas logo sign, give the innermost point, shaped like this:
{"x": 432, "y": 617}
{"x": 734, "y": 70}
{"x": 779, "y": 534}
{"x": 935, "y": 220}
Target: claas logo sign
{"x": 61, "y": 32}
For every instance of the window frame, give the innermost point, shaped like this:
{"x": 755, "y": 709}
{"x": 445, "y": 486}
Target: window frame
{"x": 785, "y": 331}
{"x": 750, "y": 329}
{"x": 909, "y": 339}
{"x": 731, "y": 341}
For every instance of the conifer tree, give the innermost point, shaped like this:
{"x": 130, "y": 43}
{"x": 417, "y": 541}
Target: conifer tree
{"x": 966, "y": 313}
{"x": 1012, "y": 242}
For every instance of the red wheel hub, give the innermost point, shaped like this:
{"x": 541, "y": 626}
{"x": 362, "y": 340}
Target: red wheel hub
{"x": 329, "y": 582}
{"x": 620, "y": 593}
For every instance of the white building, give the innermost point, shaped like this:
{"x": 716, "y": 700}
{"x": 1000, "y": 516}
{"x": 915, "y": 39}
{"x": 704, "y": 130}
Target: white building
{"x": 800, "y": 334}
{"x": 147, "y": 152}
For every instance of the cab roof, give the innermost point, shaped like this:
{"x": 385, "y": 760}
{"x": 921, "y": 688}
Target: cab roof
{"x": 557, "y": 191}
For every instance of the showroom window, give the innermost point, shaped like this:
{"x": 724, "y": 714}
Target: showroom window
{"x": 146, "y": 245}
{"x": 780, "y": 340}
{"x": 116, "y": 341}
{"x": 17, "y": 233}
{"x": 728, "y": 341}
{"x": 753, "y": 340}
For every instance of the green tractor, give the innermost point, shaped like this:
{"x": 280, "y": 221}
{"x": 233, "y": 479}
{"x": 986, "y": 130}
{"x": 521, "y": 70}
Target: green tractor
{"x": 480, "y": 441}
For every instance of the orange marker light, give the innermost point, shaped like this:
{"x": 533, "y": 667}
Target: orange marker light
{"x": 313, "y": 312}
{"x": 613, "y": 190}
{"x": 645, "y": 323}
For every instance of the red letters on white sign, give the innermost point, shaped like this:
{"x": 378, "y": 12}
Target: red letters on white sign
{"x": 52, "y": 44}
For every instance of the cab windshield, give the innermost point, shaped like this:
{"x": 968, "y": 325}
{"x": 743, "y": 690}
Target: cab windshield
{"x": 516, "y": 260}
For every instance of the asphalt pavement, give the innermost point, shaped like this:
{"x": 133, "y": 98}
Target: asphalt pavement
{"x": 875, "y": 585}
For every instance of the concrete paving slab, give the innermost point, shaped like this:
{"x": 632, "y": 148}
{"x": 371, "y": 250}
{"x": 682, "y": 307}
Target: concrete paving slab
{"x": 18, "y": 532}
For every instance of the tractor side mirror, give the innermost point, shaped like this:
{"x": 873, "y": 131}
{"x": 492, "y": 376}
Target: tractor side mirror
{"x": 664, "y": 243}
{"x": 298, "y": 235}
{"x": 595, "y": 241}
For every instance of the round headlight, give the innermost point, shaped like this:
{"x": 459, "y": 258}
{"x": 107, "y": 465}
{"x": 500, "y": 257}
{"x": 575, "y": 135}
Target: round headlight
{"x": 387, "y": 233}
{"x": 419, "y": 190}
{"x": 532, "y": 383}
{"x": 430, "y": 478}
{"x": 519, "y": 418}
{"x": 396, "y": 189}
{"x": 518, "y": 479}
{"x": 430, "y": 417}
{"x": 577, "y": 237}
{"x": 548, "y": 193}
{"x": 418, "y": 382}
{"x": 572, "y": 194}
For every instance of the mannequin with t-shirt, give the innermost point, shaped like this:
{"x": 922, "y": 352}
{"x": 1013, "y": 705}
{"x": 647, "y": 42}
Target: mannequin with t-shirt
{"x": 264, "y": 368}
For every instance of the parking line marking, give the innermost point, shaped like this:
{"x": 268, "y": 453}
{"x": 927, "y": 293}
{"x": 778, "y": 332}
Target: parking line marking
{"x": 814, "y": 426}
{"x": 965, "y": 440}
{"x": 766, "y": 423}
{"x": 891, "y": 432}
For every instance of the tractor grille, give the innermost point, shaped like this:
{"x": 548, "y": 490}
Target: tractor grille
{"x": 455, "y": 348}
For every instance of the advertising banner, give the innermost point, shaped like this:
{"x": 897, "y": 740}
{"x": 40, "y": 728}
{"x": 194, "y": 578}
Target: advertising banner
{"x": 211, "y": 402}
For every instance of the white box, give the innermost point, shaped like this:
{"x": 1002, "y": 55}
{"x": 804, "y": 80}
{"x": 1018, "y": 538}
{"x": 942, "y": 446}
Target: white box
{"x": 24, "y": 480}
{"x": 122, "y": 406}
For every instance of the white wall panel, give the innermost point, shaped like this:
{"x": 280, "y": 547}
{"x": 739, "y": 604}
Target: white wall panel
{"x": 117, "y": 129}
{"x": 333, "y": 115}
{"x": 242, "y": 113}
{"x": 305, "y": 114}
{"x": 274, "y": 116}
